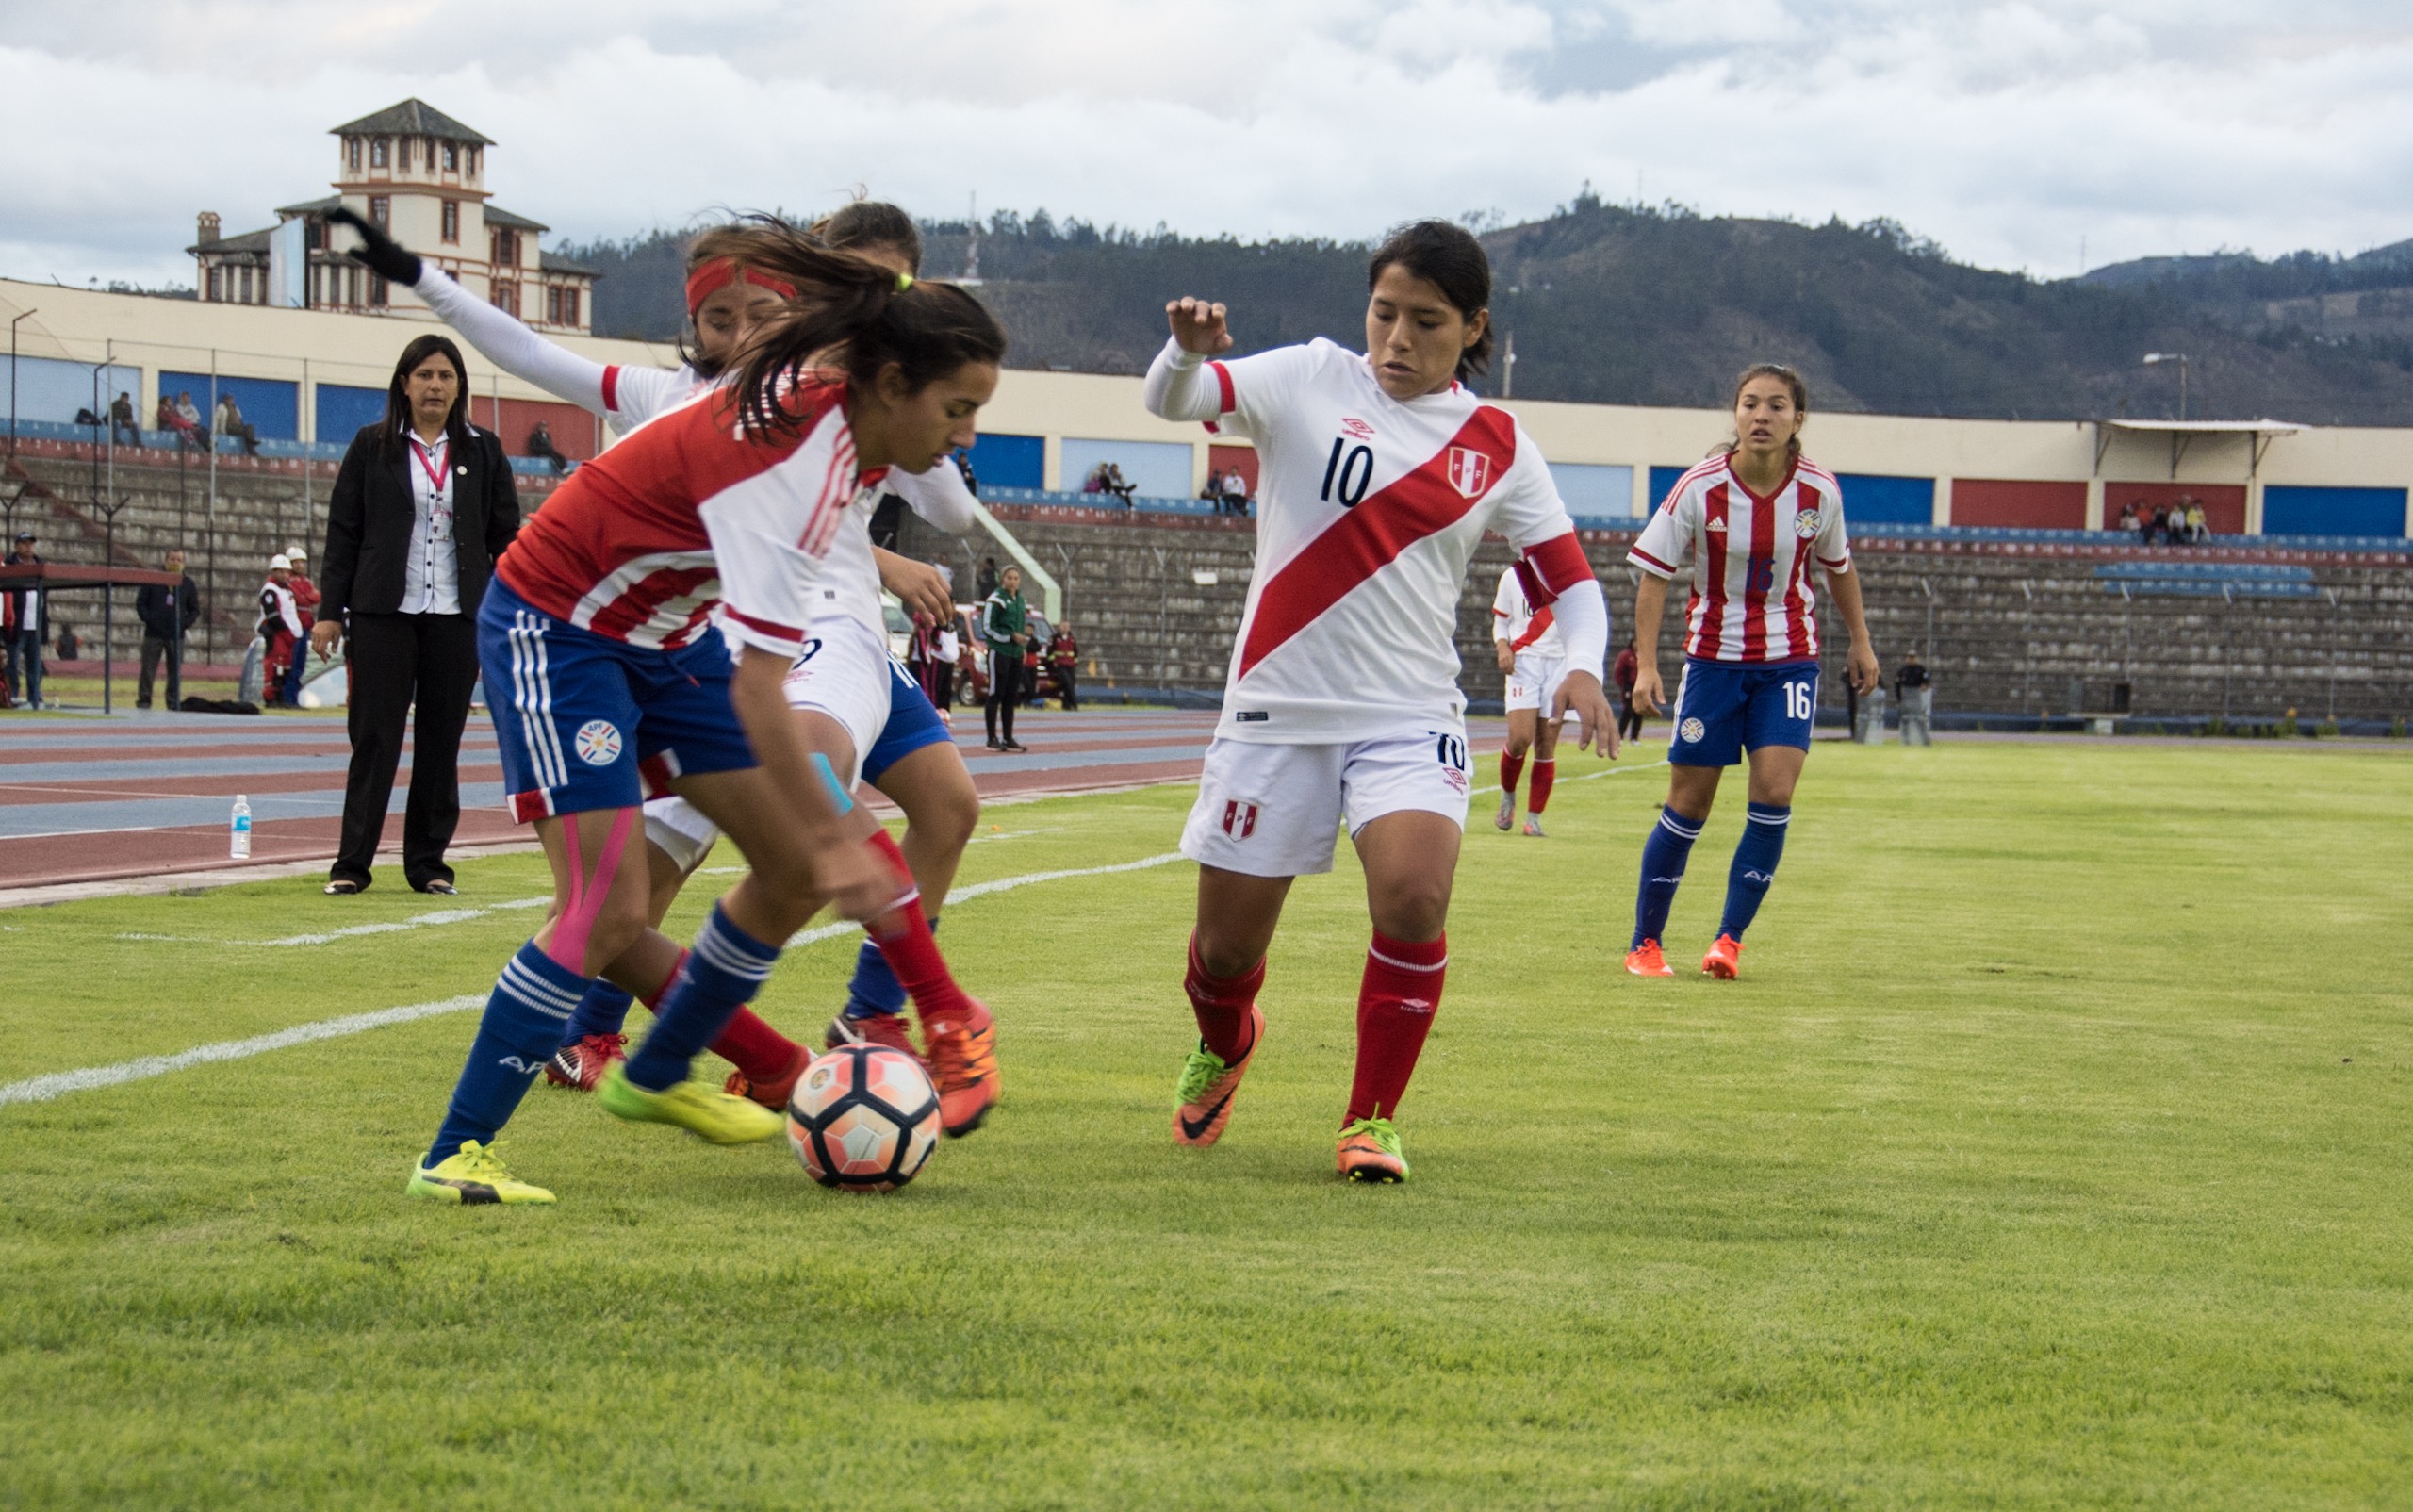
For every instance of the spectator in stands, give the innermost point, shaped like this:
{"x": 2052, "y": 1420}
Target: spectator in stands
{"x": 964, "y": 464}
{"x": 540, "y": 446}
{"x": 29, "y": 610}
{"x": 305, "y": 603}
{"x": 1095, "y": 482}
{"x": 422, "y": 507}
{"x": 2198, "y": 529}
{"x": 172, "y": 420}
{"x": 2129, "y": 520}
{"x": 229, "y": 421}
{"x": 122, "y": 420}
{"x": 189, "y": 413}
{"x": 71, "y": 649}
{"x": 984, "y": 581}
{"x": 167, "y": 614}
{"x": 1064, "y": 664}
{"x": 280, "y": 629}
{"x": 1112, "y": 481}
{"x": 1629, "y": 717}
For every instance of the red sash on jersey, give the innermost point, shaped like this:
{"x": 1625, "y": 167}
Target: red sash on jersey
{"x": 1369, "y": 537}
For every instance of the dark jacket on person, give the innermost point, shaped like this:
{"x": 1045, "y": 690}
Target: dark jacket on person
{"x": 370, "y": 515}
{"x": 167, "y": 612}
{"x": 28, "y": 607}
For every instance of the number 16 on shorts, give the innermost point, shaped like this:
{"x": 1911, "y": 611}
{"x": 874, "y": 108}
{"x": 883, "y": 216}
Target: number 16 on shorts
{"x": 1727, "y": 708}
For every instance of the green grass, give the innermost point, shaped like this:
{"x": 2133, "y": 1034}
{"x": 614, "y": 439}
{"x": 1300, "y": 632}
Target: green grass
{"x": 2052, "y": 1152}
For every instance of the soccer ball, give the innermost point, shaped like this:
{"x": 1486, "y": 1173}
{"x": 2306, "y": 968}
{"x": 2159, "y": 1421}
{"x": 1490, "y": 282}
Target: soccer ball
{"x": 864, "y": 1118}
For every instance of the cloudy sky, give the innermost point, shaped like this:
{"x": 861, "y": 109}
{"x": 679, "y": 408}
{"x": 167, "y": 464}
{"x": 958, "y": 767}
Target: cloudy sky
{"x": 2006, "y": 131}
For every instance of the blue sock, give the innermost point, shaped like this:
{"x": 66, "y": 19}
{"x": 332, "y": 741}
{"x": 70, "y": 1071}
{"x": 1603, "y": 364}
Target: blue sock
{"x": 521, "y": 1029}
{"x": 875, "y": 990}
{"x": 725, "y": 967}
{"x": 1754, "y": 868}
{"x": 1663, "y": 867}
{"x": 603, "y": 1011}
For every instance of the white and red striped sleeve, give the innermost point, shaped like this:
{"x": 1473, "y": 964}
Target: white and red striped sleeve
{"x": 1664, "y": 548}
{"x": 1833, "y": 546}
{"x": 1504, "y": 606}
{"x": 770, "y": 533}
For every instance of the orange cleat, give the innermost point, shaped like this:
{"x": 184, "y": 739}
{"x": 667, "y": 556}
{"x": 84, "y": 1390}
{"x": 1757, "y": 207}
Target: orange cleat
{"x": 875, "y": 1028}
{"x": 1725, "y": 958}
{"x": 1203, "y": 1097}
{"x": 772, "y": 1094}
{"x": 581, "y": 1063}
{"x": 964, "y": 1063}
{"x": 1370, "y": 1151}
{"x": 1645, "y": 961}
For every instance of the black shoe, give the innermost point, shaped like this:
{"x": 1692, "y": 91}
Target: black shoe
{"x": 1013, "y": 745}
{"x": 442, "y": 886}
{"x": 341, "y": 887}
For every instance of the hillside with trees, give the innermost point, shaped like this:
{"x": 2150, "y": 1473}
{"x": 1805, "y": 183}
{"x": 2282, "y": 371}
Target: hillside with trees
{"x": 1639, "y": 305}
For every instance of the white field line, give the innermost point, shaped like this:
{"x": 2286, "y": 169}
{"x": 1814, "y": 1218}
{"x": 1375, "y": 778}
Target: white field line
{"x": 59, "y": 1084}
{"x": 1614, "y": 771}
{"x": 416, "y": 921}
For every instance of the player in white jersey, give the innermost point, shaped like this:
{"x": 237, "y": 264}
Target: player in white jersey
{"x": 1533, "y": 659}
{"x": 1748, "y": 524}
{"x": 1378, "y": 476}
{"x": 890, "y": 735}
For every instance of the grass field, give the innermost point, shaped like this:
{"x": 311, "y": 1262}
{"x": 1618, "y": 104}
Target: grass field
{"x": 2054, "y": 1152}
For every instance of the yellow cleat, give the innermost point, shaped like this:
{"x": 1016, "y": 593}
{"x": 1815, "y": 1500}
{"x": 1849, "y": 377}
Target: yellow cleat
{"x": 472, "y": 1176}
{"x": 691, "y": 1104}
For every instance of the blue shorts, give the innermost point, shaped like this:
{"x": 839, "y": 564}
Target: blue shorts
{"x": 578, "y": 714}
{"x": 913, "y": 722}
{"x": 1724, "y": 708}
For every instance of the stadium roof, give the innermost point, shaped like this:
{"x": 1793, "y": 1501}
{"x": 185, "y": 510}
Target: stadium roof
{"x": 412, "y": 118}
{"x": 2259, "y": 434}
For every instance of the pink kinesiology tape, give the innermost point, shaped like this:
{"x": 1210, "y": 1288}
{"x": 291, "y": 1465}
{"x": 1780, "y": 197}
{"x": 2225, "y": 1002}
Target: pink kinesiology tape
{"x": 586, "y": 893}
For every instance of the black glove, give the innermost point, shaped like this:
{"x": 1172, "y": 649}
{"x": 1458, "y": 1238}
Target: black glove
{"x": 389, "y": 259}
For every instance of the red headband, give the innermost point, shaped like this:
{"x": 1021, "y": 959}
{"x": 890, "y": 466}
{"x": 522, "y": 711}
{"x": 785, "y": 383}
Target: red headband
{"x": 720, "y": 273}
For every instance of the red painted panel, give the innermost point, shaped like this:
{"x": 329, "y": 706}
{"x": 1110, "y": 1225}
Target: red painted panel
{"x": 2019, "y": 503}
{"x": 577, "y": 432}
{"x": 1222, "y": 459}
{"x": 2223, "y": 503}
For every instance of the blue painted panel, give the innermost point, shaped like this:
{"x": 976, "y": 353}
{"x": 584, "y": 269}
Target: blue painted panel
{"x": 1593, "y": 490}
{"x": 1157, "y": 469}
{"x": 1869, "y": 495}
{"x": 270, "y": 405}
{"x": 343, "y": 410}
{"x": 48, "y": 389}
{"x": 2289, "y": 510}
{"x": 1663, "y": 482}
{"x": 1010, "y": 461}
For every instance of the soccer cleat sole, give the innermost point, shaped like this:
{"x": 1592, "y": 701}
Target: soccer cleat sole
{"x": 1723, "y": 965}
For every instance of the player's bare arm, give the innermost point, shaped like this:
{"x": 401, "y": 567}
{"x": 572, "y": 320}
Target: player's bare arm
{"x": 1581, "y": 695}
{"x": 1501, "y": 653}
{"x": 1861, "y": 661}
{"x": 919, "y": 586}
{"x": 1199, "y": 325}
{"x": 1650, "y": 605}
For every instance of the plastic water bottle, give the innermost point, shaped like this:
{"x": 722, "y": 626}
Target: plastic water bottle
{"x": 238, "y": 829}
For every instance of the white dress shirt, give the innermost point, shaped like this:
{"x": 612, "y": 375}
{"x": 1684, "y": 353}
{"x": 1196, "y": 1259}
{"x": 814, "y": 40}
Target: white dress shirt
{"x": 431, "y": 573}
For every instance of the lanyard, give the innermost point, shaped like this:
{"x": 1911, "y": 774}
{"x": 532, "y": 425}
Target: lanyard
{"x": 435, "y": 470}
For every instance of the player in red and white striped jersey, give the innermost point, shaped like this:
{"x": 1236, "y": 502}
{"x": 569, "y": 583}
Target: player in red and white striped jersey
{"x": 1378, "y": 476}
{"x": 1749, "y": 523}
{"x": 597, "y": 638}
{"x": 1533, "y": 660}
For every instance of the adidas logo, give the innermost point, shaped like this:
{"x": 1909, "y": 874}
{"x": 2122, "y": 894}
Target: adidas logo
{"x": 1717, "y": 525}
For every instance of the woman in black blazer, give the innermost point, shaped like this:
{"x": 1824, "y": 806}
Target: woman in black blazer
{"x": 422, "y": 507}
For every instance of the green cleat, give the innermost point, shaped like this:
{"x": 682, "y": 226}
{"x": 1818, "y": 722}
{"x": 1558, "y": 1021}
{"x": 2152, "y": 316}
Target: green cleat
{"x": 691, "y": 1104}
{"x": 1370, "y": 1151}
{"x": 472, "y": 1176}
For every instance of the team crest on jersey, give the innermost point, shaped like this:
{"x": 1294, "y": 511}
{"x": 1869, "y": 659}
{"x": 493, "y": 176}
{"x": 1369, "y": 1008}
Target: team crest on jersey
{"x": 1805, "y": 524}
{"x": 1470, "y": 472}
{"x": 599, "y": 743}
{"x": 1692, "y": 729}
{"x": 1239, "y": 819}
{"x": 1357, "y": 428}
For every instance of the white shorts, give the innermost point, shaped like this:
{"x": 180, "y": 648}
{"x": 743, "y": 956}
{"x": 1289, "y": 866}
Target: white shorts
{"x": 842, "y": 672}
{"x": 1533, "y": 681}
{"x": 1277, "y": 810}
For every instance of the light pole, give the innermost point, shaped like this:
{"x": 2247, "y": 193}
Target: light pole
{"x": 2154, "y": 358}
{"x": 12, "y": 382}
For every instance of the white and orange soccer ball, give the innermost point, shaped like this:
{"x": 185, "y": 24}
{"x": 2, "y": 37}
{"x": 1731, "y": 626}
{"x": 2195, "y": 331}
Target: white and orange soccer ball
{"x": 864, "y": 1118}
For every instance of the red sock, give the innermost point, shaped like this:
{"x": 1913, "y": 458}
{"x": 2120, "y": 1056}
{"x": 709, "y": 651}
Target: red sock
{"x": 903, "y": 936}
{"x": 1396, "y": 1001}
{"x": 1545, "y": 773}
{"x": 762, "y": 1052}
{"x": 1222, "y": 1004}
{"x": 1511, "y": 768}
{"x": 653, "y": 1000}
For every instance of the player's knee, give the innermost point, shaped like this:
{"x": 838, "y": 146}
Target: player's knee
{"x": 1413, "y": 908}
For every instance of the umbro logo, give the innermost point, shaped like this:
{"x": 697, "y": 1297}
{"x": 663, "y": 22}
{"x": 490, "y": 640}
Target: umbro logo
{"x": 1357, "y": 428}
{"x": 1415, "y": 1004}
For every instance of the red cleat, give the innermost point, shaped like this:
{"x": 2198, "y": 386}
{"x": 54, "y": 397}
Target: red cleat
{"x": 772, "y": 1094}
{"x": 1645, "y": 961}
{"x": 876, "y": 1028}
{"x": 580, "y": 1064}
{"x": 964, "y": 1063}
{"x": 1725, "y": 958}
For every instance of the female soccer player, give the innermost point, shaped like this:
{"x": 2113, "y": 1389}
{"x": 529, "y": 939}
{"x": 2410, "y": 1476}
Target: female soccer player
{"x": 600, "y": 625}
{"x": 1532, "y": 656}
{"x": 1749, "y": 521}
{"x": 893, "y": 738}
{"x": 1380, "y": 474}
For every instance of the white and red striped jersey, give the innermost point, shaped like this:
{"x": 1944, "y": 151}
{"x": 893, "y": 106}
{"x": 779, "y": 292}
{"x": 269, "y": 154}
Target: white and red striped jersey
{"x": 1752, "y": 599}
{"x": 689, "y": 514}
{"x": 1526, "y": 629}
{"x": 1368, "y": 508}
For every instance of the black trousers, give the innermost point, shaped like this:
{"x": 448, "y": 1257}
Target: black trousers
{"x": 398, "y": 660}
{"x": 1064, "y": 690}
{"x": 1005, "y": 688}
{"x": 155, "y": 648}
